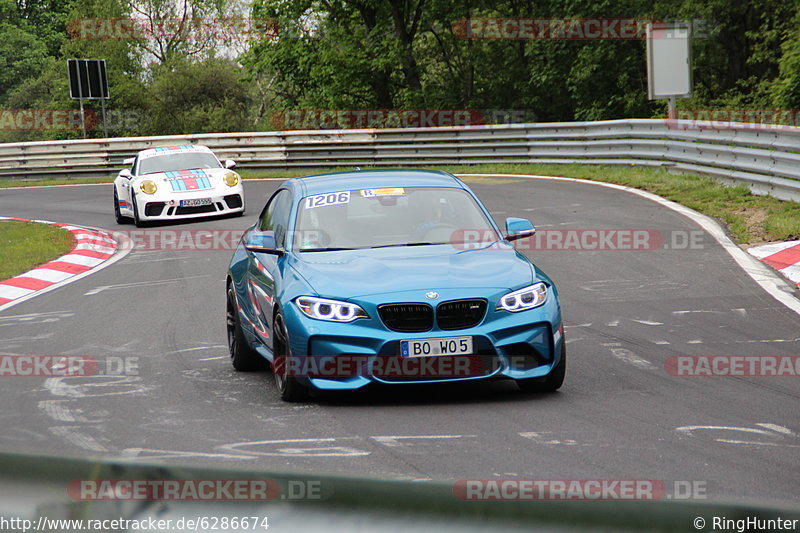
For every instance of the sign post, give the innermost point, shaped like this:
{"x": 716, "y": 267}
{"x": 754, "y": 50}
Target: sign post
{"x": 87, "y": 81}
{"x": 669, "y": 63}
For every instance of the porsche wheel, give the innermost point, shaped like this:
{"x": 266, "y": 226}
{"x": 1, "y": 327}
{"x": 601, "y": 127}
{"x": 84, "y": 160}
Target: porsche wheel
{"x": 139, "y": 223}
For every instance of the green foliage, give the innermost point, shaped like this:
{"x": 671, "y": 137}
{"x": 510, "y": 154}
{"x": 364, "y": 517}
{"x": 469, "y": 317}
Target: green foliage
{"x": 386, "y": 54}
{"x": 786, "y": 90}
{"x": 31, "y": 34}
{"x": 22, "y": 56}
{"x": 199, "y": 97}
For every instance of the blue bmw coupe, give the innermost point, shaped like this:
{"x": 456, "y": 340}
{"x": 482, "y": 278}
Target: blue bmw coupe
{"x": 392, "y": 277}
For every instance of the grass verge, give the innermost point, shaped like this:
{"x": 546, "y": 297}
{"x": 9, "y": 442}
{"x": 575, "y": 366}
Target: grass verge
{"x": 751, "y": 219}
{"x": 25, "y": 245}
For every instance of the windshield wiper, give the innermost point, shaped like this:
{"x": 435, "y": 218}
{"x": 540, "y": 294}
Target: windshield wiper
{"x": 408, "y": 244}
{"x": 328, "y": 249}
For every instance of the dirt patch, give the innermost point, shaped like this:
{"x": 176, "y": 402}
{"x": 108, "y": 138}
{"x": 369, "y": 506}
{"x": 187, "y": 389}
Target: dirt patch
{"x": 754, "y": 219}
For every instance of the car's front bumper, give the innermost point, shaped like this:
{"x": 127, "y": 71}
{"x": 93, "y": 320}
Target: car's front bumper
{"x": 162, "y": 207}
{"x": 520, "y": 345}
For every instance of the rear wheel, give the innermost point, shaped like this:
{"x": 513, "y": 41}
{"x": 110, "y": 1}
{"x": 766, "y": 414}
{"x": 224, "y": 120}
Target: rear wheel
{"x": 551, "y": 382}
{"x": 289, "y": 388}
{"x": 243, "y": 357}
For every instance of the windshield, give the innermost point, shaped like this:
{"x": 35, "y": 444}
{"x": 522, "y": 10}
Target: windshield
{"x": 370, "y": 218}
{"x": 178, "y": 161}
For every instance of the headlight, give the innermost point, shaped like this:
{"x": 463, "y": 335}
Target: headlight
{"x": 231, "y": 179}
{"x": 330, "y": 310}
{"x": 522, "y": 299}
{"x": 148, "y": 186}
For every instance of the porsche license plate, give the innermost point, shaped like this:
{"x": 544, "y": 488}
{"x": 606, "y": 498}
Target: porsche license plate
{"x": 436, "y": 347}
{"x": 195, "y": 202}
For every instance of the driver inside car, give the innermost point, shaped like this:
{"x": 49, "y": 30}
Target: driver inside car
{"x": 327, "y": 228}
{"x": 441, "y": 220}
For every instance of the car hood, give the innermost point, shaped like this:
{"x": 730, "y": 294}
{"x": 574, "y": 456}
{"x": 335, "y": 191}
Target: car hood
{"x": 356, "y": 273}
{"x": 214, "y": 176}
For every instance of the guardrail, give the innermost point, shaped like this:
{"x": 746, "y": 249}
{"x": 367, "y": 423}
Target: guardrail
{"x": 766, "y": 160}
{"x": 52, "y": 488}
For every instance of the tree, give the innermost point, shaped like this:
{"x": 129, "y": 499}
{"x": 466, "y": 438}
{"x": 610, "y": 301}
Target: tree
{"x": 22, "y": 56}
{"x": 786, "y": 90}
{"x": 204, "y": 96}
{"x": 178, "y": 28}
{"x": 387, "y": 54}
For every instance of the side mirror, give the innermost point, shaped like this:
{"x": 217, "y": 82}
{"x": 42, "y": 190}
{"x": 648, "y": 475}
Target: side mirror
{"x": 230, "y": 163}
{"x": 261, "y": 242}
{"x": 518, "y": 228}
{"x": 129, "y": 161}
{"x": 125, "y": 173}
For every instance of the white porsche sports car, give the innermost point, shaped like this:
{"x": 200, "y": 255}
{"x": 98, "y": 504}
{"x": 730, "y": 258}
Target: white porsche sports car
{"x": 176, "y": 182}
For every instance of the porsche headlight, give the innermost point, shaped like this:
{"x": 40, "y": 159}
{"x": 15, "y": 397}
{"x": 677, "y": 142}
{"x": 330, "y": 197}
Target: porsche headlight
{"x": 148, "y": 187}
{"x": 330, "y": 310}
{"x": 522, "y": 299}
{"x": 231, "y": 179}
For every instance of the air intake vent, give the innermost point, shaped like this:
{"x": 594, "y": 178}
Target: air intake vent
{"x": 460, "y": 314}
{"x": 409, "y": 318}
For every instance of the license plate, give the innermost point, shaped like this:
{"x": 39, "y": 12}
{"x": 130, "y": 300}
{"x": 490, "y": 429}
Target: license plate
{"x": 195, "y": 202}
{"x": 436, "y": 347}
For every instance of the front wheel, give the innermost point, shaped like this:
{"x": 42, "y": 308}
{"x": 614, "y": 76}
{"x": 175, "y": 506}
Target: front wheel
{"x": 289, "y": 388}
{"x": 139, "y": 223}
{"x": 553, "y": 381}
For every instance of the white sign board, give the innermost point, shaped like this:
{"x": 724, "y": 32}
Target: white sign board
{"x": 669, "y": 61}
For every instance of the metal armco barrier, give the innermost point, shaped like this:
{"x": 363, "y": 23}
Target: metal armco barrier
{"x": 765, "y": 158}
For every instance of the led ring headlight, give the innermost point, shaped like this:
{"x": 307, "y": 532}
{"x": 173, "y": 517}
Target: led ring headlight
{"x": 525, "y": 298}
{"x": 329, "y": 310}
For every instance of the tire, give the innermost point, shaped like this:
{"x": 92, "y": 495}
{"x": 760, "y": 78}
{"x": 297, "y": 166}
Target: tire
{"x": 243, "y": 357}
{"x": 117, "y": 215}
{"x": 288, "y": 387}
{"x": 139, "y": 223}
{"x": 553, "y": 381}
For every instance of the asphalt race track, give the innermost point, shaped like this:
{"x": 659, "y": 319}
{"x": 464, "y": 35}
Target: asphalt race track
{"x": 620, "y": 415}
